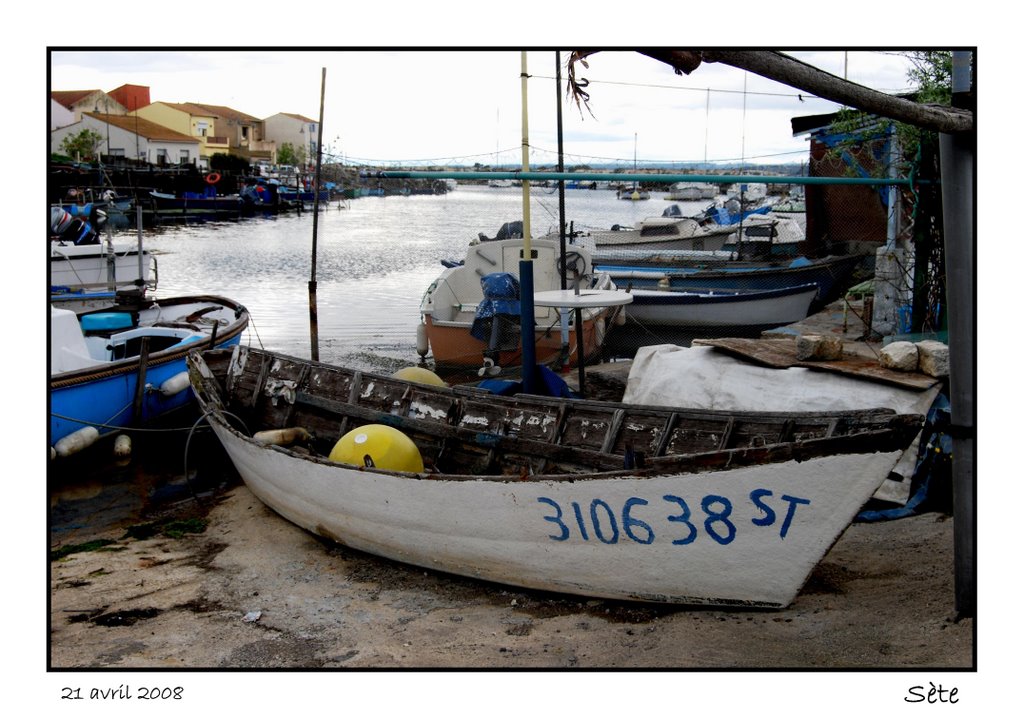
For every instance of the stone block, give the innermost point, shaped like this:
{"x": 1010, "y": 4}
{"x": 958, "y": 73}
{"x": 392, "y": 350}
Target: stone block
{"x": 933, "y": 358}
{"x": 819, "y": 347}
{"x": 900, "y": 356}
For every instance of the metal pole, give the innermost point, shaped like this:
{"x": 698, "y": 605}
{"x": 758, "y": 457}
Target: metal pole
{"x": 958, "y": 218}
{"x": 564, "y": 319}
{"x": 526, "y": 260}
{"x": 561, "y": 163}
{"x": 314, "y": 338}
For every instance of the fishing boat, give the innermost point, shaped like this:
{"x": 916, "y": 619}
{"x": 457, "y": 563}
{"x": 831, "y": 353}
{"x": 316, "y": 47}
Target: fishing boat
{"x": 87, "y": 270}
{"x": 661, "y": 233}
{"x": 123, "y": 366}
{"x": 723, "y": 270}
{"x": 471, "y": 323}
{"x": 635, "y": 192}
{"x": 691, "y": 191}
{"x": 727, "y": 309}
{"x": 596, "y": 499}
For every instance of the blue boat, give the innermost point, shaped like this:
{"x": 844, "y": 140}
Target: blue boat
{"x": 829, "y": 273}
{"x": 122, "y": 367}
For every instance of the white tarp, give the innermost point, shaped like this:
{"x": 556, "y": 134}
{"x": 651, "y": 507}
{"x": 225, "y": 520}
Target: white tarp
{"x": 705, "y": 378}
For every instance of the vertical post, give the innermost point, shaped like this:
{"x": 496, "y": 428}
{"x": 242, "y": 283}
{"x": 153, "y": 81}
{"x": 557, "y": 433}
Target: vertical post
{"x": 140, "y": 381}
{"x": 138, "y": 230}
{"x": 526, "y": 260}
{"x": 957, "y": 168}
{"x": 561, "y": 204}
{"x": 314, "y": 332}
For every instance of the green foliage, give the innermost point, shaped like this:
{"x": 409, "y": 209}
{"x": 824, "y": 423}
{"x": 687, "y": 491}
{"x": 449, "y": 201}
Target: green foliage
{"x": 67, "y": 549}
{"x": 84, "y": 144}
{"x": 288, "y": 154}
{"x": 174, "y": 529}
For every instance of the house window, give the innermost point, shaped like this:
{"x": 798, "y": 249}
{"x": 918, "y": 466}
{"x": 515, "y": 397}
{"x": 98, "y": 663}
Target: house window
{"x": 245, "y": 133}
{"x": 201, "y": 128}
{"x": 116, "y": 152}
{"x": 161, "y": 157}
{"x": 312, "y": 129}
{"x": 184, "y": 157}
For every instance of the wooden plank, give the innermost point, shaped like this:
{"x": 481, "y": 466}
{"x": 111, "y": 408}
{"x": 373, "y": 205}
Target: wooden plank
{"x": 781, "y": 354}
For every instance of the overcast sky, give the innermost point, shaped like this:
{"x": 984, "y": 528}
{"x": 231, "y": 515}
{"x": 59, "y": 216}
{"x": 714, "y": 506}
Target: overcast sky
{"x": 462, "y": 106}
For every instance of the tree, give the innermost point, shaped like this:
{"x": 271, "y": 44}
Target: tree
{"x": 85, "y": 144}
{"x": 288, "y": 154}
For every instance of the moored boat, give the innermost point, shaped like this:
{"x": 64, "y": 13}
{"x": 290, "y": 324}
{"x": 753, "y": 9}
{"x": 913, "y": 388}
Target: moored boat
{"x": 596, "y": 499}
{"x": 123, "y": 366}
{"x": 465, "y": 327}
{"x": 732, "y": 309}
{"x": 721, "y": 270}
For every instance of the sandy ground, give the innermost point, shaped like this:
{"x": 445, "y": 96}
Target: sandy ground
{"x": 254, "y": 591}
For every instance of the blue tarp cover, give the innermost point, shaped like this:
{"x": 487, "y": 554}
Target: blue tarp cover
{"x": 501, "y": 297}
{"x": 546, "y": 383}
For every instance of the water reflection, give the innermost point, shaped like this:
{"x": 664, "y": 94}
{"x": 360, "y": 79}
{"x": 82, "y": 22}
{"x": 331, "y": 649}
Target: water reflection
{"x": 376, "y": 256}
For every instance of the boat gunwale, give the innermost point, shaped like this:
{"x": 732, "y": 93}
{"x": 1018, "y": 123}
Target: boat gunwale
{"x": 895, "y": 435}
{"x": 176, "y": 352}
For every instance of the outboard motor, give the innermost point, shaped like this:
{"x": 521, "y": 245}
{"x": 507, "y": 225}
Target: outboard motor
{"x": 508, "y": 231}
{"x": 75, "y": 230}
{"x": 497, "y": 316}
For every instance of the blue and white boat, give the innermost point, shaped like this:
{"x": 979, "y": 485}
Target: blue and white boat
{"x": 124, "y": 366}
{"x": 721, "y": 270}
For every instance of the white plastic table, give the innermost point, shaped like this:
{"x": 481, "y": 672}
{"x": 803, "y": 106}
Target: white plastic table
{"x": 577, "y": 300}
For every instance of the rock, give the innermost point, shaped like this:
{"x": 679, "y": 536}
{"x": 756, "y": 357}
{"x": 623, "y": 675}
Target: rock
{"x": 901, "y": 356}
{"x": 818, "y": 347}
{"x": 933, "y": 358}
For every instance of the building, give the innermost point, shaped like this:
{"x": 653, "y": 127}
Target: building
{"x": 133, "y": 137}
{"x": 131, "y": 97}
{"x": 194, "y": 121}
{"x": 297, "y": 130}
{"x": 862, "y": 219}
{"x": 79, "y": 101}
{"x": 846, "y": 217}
{"x": 245, "y": 133}
{"x": 60, "y": 116}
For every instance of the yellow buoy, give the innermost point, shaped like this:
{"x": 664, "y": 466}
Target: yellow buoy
{"x": 379, "y": 446}
{"x": 419, "y": 375}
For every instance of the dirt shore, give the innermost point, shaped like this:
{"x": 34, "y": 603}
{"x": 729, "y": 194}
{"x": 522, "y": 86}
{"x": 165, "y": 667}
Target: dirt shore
{"x": 248, "y": 590}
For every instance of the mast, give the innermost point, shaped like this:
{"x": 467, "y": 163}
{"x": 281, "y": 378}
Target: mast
{"x": 526, "y": 259}
{"x": 314, "y": 331}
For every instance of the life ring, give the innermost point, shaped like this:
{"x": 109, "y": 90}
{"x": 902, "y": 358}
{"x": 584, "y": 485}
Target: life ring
{"x": 213, "y": 178}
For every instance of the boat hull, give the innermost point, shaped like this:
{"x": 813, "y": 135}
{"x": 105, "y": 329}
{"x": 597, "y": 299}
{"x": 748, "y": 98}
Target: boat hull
{"x": 104, "y": 395}
{"x": 79, "y": 269}
{"x": 452, "y": 345}
{"x": 724, "y": 508}
{"x": 747, "y": 537}
{"x": 688, "y": 308}
{"x": 829, "y": 274}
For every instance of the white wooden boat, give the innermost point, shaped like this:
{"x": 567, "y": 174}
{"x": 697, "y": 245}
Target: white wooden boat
{"x": 587, "y": 498}
{"x": 452, "y": 301}
{"x": 722, "y": 308}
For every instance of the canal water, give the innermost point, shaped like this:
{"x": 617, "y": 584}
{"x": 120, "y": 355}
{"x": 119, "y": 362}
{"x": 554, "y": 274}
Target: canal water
{"x": 376, "y": 256}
